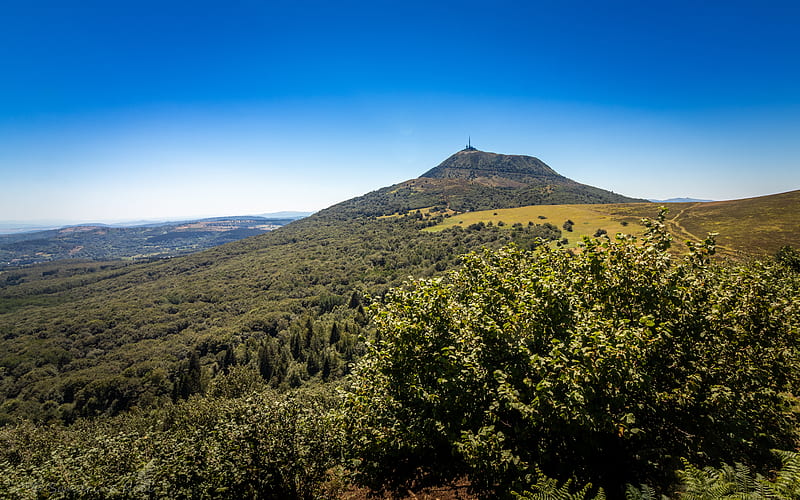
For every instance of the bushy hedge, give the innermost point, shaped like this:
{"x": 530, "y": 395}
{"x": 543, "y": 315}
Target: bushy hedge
{"x": 606, "y": 365}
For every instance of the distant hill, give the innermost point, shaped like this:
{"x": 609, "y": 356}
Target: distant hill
{"x": 472, "y": 180}
{"x": 11, "y": 227}
{"x": 16, "y": 227}
{"x": 681, "y": 200}
{"x": 286, "y": 215}
{"x": 146, "y": 241}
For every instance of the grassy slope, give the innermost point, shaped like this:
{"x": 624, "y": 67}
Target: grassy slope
{"x": 748, "y": 227}
{"x": 587, "y": 218}
{"x": 752, "y": 225}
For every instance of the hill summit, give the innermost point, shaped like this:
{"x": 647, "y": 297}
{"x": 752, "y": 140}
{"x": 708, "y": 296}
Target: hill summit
{"x": 493, "y": 168}
{"x": 472, "y": 180}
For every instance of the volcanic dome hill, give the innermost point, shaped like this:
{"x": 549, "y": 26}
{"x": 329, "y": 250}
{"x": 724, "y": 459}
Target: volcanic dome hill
{"x": 478, "y": 180}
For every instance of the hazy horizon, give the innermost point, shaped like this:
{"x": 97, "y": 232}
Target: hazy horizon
{"x": 12, "y": 226}
{"x": 149, "y": 111}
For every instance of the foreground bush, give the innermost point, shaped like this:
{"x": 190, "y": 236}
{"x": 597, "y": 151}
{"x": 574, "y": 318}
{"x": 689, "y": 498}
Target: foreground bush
{"x": 606, "y": 366}
{"x": 260, "y": 446}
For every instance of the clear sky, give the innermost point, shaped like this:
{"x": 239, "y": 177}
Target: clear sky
{"x": 152, "y": 109}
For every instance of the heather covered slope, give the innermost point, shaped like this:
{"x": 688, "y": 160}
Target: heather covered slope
{"x": 751, "y": 227}
{"x": 763, "y": 223}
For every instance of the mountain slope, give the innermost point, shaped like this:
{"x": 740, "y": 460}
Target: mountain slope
{"x": 284, "y": 309}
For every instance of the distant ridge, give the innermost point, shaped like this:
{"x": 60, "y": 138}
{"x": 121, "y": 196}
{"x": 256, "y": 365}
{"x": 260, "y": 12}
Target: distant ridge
{"x": 681, "y": 200}
{"x": 285, "y": 215}
{"x": 14, "y": 227}
{"x": 149, "y": 240}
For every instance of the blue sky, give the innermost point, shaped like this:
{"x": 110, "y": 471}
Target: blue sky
{"x": 130, "y": 110}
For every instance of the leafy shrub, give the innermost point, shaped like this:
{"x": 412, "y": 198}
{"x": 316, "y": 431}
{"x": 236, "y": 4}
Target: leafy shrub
{"x": 789, "y": 257}
{"x": 604, "y": 366}
{"x": 260, "y": 446}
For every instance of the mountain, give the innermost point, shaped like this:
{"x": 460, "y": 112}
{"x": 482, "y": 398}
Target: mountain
{"x": 281, "y": 310}
{"x": 139, "y": 322}
{"x": 477, "y": 180}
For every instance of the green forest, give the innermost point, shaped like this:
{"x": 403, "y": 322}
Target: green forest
{"x": 276, "y": 300}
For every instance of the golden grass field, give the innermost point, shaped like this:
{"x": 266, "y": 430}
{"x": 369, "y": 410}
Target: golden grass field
{"x": 747, "y": 227}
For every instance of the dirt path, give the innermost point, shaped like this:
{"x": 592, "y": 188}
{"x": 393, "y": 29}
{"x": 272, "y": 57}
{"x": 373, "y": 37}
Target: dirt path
{"x": 675, "y": 227}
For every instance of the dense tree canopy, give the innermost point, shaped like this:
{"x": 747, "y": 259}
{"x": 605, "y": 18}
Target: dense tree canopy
{"x": 139, "y": 324}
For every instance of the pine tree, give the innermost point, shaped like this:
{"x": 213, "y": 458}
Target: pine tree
{"x": 297, "y": 346}
{"x": 194, "y": 374}
{"x": 309, "y": 332}
{"x": 335, "y": 334}
{"x": 228, "y": 360}
{"x": 355, "y": 300}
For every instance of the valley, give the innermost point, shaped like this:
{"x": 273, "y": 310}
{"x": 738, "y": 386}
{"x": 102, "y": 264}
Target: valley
{"x": 140, "y": 242}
